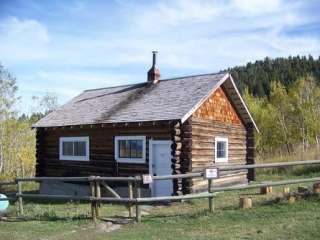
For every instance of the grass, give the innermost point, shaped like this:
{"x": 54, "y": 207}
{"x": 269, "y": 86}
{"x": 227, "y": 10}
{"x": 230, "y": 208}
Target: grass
{"x": 312, "y": 153}
{"x": 268, "y": 219}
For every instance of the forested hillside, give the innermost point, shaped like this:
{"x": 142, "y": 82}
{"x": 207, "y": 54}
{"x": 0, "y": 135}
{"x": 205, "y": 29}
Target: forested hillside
{"x": 257, "y": 76}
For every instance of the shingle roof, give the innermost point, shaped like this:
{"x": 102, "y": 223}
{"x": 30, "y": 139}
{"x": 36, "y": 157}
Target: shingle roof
{"x": 170, "y": 99}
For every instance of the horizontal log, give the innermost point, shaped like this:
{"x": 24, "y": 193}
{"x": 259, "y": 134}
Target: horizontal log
{"x": 175, "y": 153}
{"x": 176, "y": 146}
{"x": 176, "y": 131}
{"x": 176, "y": 138}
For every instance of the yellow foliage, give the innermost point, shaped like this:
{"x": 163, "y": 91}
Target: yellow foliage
{"x": 18, "y": 149}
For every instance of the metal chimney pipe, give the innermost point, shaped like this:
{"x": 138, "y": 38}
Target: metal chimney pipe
{"x": 154, "y": 58}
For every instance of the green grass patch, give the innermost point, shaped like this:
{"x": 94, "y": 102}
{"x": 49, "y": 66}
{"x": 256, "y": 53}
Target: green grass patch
{"x": 270, "y": 218}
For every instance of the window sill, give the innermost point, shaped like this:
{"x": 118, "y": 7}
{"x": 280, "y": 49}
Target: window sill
{"x": 221, "y": 161}
{"x": 131, "y": 160}
{"x": 74, "y": 159}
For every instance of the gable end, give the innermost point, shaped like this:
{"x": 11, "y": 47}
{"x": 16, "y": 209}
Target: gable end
{"x": 218, "y": 107}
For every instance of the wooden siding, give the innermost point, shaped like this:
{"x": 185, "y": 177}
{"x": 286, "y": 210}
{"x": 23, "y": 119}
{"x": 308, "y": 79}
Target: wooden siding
{"x": 102, "y": 161}
{"x": 203, "y": 133}
{"x": 218, "y": 107}
{"x": 216, "y": 117}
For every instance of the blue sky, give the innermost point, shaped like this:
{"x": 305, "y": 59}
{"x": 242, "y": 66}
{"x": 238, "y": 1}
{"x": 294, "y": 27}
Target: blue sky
{"x": 65, "y": 47}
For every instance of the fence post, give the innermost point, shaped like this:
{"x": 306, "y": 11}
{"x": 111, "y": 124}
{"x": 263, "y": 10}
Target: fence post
{"x": 98, "y": 195}
{"x": 130, "y": 195}
{"x": 211, "y": 206}
{"x": 138, "y": 194}
{"x": 93, "y": 194}
{"x": 20, "y": 198}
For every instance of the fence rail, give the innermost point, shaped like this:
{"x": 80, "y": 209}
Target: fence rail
{"x": 134, "y": 187}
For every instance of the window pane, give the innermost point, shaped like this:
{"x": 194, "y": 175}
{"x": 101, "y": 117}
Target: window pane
{"x": 221, "y": 149}
{"x": 67, "y": 148}
{"x": 124, "y": 149}
{"x": 139, "y": 148}
{"x": 133, "y": 148}
{"x": 130, "y": 148}
{"x": 80, "y": 148}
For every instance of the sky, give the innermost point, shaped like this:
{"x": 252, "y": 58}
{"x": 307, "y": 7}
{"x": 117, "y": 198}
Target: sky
{"x": 64, "y": 47}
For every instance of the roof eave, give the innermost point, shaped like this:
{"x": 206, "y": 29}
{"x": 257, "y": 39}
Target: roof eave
{"x": 244, "y": 104}
{"x": 202, "y": 100}
{"x": 225, "y": 77}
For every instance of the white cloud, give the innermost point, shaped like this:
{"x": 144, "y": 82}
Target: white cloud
{"x": 180, "y": 12}
{"x": 23, "y": 40}
{"x": 194, "y": 36}
{"x": 256, "y": 7}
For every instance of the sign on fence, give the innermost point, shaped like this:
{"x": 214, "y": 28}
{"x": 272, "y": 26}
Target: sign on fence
{"x": 147, "y": 179}
{"x": 211, "y": 173}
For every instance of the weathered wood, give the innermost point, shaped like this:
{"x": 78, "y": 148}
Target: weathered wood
{"x": 245, "y": 202}
{"x": 110, "y": 190}
{"x": 138, "y": 195}
{"x": 20, "y": 198}
{"x": 270, "y": 165}
{"x": 202, "y": 151}
{"x": 218, "y": 107}
{"x": 316, "y": 187}
{"x": 286, "y": 190}
{"x": 211, "y": 206}
{"x": 97, "y": 195}
{"x": 291, "y": 199}
{"x": 176, "y": 131}
{"x": 56, "y": 197}
{"x": 176, "y": 138}
{"x": 130, "y": 195}
{"x": 266, "y": 190}
{"x": 250, "y": 156}
{"x": 93, "y": 209}
{"x": 40, "y": 151}
{"x": 102, "y": 161}
{"x": 176, "y": 146}
{"x": 177, "y": 149}
{"x": 69, "y": 179}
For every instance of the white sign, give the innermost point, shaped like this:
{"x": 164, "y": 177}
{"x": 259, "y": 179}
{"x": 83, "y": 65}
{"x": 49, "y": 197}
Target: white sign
{"x": 211, "y": 173}
{"x": 147, "y": 178}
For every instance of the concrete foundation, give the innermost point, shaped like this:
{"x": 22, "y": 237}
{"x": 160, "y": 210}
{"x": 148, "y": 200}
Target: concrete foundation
{"x": 64, "y": 188}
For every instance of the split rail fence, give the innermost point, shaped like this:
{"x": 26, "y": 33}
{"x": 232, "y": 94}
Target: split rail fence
{"x": 134, "y": 199}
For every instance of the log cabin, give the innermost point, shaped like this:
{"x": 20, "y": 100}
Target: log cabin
{"x": 157, "y": 127}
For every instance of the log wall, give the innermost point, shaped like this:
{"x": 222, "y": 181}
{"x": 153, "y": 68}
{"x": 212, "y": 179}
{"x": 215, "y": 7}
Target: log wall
{"x": 216, "y": 117}
{"x": 101, "y": 138}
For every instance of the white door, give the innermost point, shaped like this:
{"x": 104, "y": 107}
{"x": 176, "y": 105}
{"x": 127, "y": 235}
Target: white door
{"x": 161, "y": 165}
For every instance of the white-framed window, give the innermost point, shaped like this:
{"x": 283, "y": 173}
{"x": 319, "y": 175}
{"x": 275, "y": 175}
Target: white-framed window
{"x": 221, "y": 149}
{"x": 74, "y": 148}
{"x": 130, "y": 149}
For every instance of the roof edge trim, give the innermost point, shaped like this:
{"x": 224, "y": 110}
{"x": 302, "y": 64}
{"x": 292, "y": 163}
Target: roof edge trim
{"x": 225, "y": 77}
{"x": 202, "y": 100}
{"x": 243, "y": 103}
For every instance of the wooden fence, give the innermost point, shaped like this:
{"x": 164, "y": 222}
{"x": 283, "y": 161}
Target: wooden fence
{"x": 134, "y": 199}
